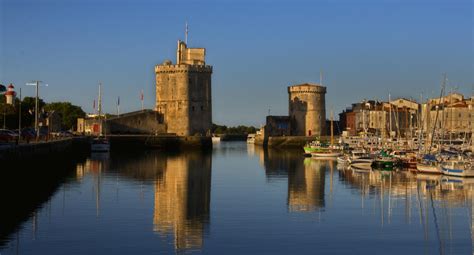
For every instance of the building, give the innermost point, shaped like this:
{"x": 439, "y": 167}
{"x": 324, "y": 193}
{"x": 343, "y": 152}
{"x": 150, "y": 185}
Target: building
{"x": 277, "y": 126}
{"x": 400, "y": 116}
{"x": 453, "y": 114}
{"x": 307, "y": 109}
{"x": 10, "y": 94}
{"x": 183, "y": 92}
{"x": 139, "y": 122}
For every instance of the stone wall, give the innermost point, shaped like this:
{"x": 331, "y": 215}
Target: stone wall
{"x": 183, "y": 96}
{"x": 307, "y": 109}
{"x": 140, "y": 122}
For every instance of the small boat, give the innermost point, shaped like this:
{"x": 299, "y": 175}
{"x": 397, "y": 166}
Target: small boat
{"x": 362, "y": 162}
{"x": 313, "y": 146}
{"x": 325, "y": 154}
{"x": 343, "y": 160}
{"x": 428, "y": 164}
{"x": 216, "y": 139}
{"x": 100, "y": 144}
{"x": 458, "y": 167}
{"x": 384, "y": 163}
{"x": 251, "y": 138}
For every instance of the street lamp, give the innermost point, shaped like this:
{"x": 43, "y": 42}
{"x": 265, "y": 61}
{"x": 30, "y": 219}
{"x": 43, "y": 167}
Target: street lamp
{"x": 36, "y": 83}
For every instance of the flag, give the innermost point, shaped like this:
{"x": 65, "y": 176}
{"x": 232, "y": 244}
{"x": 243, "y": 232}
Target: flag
{"x": 141, "y": 95}
{"x": 93, "y": 106}
{"x": 118, "y": 101}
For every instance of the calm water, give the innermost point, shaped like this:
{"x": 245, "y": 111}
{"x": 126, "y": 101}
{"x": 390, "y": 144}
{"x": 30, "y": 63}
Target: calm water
{"x": 237, "y": 199}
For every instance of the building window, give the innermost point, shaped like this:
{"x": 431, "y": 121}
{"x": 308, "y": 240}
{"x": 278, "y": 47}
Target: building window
{"x": 202, "y": 108}
{"x": 192, "y": 108}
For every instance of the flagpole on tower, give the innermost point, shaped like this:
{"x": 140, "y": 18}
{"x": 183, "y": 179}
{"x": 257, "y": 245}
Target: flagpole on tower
{"x": 186, "y": 34}
{"x": 141, "y": 98}
{"x": 118, "y": 106}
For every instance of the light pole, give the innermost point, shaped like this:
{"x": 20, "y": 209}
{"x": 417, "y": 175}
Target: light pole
{"x": 36, "y": 83}
{"x": 19, "y": 118}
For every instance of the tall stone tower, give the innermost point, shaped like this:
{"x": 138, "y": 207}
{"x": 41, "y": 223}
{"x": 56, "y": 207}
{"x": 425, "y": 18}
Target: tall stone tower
{"x": 307, "y": 109}
{"x": 183, "y": 92}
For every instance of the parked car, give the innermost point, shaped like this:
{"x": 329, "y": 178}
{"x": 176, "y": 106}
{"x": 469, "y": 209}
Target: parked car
{"x": 28, "y": 133}
{"x": 7, "y": 135}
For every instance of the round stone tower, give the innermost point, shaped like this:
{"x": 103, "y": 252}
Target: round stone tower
{"x": 307, "y": 109}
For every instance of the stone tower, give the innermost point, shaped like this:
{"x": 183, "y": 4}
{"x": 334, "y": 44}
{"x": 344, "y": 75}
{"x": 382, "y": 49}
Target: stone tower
{"x": 307, "y": 109}
{"x": 183, "y": 92}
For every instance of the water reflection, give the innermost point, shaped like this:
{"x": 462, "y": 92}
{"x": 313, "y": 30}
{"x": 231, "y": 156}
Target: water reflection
{"x": 306, "y": 185}
{"x": 182, "y": 199}
{"x": 306, "y": 177}
{"x": 156, "y": 202}
{"x": 429, "y": 200}
{"x": 26, "y": 187}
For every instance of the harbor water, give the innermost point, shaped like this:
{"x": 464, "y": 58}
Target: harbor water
{"x": 235, "y": 199}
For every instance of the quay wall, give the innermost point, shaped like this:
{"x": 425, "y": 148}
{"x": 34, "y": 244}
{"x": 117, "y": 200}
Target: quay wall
{"x": 43, "y": 149}
{"x": 289, "y": 141}
{"x": 122, "y": 142}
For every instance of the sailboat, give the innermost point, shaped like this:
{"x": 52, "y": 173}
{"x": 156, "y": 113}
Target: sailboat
{"x": 100, "y": 143}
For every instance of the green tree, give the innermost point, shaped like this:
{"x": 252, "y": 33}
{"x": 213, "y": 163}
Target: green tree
{"x": 69, "y": 113}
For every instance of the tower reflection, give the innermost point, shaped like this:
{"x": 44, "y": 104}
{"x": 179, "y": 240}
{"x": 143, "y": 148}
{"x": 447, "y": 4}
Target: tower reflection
{"x": 306, "y": 177}
{"x": 306, "y": 185}
{"x": 182, "y": 199}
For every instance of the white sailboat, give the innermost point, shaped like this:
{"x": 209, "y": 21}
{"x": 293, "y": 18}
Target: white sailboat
{"x": 100, "y": 143}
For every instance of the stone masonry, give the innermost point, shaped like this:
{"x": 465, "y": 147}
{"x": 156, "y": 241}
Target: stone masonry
{"x": 183, "y": 92}
{"x": 307, "y": 109}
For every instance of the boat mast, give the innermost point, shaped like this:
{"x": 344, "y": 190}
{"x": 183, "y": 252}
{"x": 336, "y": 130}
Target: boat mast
{"x": 390, "y": 116}
{"x": 99, "y": 107}
{"x": 437, "y": 113}
{"x": 332, "y": 129}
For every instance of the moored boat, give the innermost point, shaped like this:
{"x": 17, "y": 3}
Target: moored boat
{"x": 325, "y": 153}
{"x": 428, "y": 164}
{"x": 100, "y": 144}
{"x": 458, "y": 167}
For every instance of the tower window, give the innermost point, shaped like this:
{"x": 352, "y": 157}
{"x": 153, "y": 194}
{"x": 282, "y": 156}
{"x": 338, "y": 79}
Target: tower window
{"x": 202, "y": 108}
{"x": 192, "y": 108}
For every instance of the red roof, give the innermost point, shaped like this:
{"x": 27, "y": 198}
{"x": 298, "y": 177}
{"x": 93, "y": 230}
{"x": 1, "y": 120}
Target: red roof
{"x": 10, "y": 93}
{"x": 11, "y": 86}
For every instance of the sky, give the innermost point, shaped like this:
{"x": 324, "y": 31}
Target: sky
{"x": 365, "y": 49}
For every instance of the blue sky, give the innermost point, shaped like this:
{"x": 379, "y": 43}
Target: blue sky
{"x": 366, "y": 49}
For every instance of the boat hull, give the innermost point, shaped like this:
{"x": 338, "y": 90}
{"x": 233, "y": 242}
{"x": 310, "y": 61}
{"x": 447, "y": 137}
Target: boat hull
{"x": 325, "y": 154}
{"x": 100, "y": 147}
{"x": 429, "y": 169}
{"x": 457, "y": 172}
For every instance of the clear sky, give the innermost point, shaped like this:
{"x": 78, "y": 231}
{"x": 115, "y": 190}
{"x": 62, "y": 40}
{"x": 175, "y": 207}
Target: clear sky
{"x": 366, "y": 49}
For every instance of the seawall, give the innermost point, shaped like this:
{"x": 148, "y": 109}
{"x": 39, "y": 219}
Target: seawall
{"x": 288, "y": 141}
{"x": 123, "y": 142}
{"x": 53, "y": 148}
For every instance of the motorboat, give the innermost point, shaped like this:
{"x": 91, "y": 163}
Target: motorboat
{"x": 458, "y": 167}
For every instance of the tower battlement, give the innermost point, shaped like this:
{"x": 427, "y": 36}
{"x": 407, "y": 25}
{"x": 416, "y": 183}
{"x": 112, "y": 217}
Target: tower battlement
{"x": 183, "y": 68}
{"x": 307, "y": 88}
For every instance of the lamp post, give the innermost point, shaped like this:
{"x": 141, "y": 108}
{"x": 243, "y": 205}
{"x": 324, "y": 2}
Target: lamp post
{"x": 36, "y": 83}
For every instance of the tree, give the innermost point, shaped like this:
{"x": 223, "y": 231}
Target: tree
{"x": 239, "y": 130}
{"x": 69, "y": 113}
